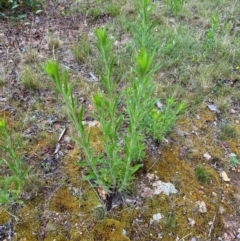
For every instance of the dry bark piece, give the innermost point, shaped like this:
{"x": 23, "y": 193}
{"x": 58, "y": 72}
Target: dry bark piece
{"x": 182, "y": 152}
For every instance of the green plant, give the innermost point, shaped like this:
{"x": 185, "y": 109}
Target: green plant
{"x": 233, "y": 159}
{"x": 30, "y": 79}
{"x": 171, "y": 222}
{"x": 94, "y": 13}
{"x": 99, "y": 213}
{"x": 61, "y": 81}
{"x": 159, "y": 122}
{"x": 112, "y": 9}
{"x": 108, "y": 116}
{"x": 142, "y": 29}
{"x": 106, "y": 169}
{"x": 139, "y": 95}
{"x": 156, "y": 123}
{"x": 202, "y": 174}
{"x": 175, "y": 5}
{"x": 114, "y": 168}
{"x": 12, "y": 182}
{"x": 228, "y": 132}
{"x": 81, "y": 49}
{"x": 13, "y": 4}
{"x": 210, "y": 33}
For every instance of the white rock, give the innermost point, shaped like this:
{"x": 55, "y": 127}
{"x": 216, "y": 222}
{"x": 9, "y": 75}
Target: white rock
{"x": 201, "y": 206}
{"x": 165, "y": 187}
{"x": 232, "y": 155}
{"x": 225, "y": 177}
{"x": 157, "y": 217}
{"x": 207, "y": 156}
{"x": 191, "y": 222}
{"x": 212, "y": 107}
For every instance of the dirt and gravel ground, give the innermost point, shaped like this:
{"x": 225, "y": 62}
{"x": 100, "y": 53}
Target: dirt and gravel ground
{"x": 58, "y": 205}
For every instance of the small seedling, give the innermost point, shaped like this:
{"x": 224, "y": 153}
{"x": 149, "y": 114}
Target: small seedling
{"x": 175, "y": 5}
{"x": 81, "y": 49}
{"x": 99, "y": 212}
{"x": 30, "y": 79}
{"x": 170, "y": 222}
{"x": 210, "y": 33}
{"x": 202, "y": 174}
{"x": 113, "y": 10}
{"x": 233, "y": 159}
{"x": 94, "y": 13}
{"x": 159, "y": 122}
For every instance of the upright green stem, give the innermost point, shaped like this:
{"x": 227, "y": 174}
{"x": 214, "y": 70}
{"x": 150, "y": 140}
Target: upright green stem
{"x": 65, "y": 89}
{"x": 106, "y": 106}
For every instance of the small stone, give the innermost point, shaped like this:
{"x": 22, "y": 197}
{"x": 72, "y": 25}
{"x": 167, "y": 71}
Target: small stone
{"x": 225, "y": 176}
{"x": 201, "y": 207}
{"x": 210, "y": 223}
{"x": 159, "y": 105}
{"x": 165, "y": 187}
{"x": 212, "y": 107}
{"x": 232, "y": 111}
{"x": 232, "y": 155}
{"x": 150, "y": 176}
{"x": 191, "y": 222}
{"x": 207, "y": 156}
{"x": 222, "y": 210}
{"x": 157, "y": 217}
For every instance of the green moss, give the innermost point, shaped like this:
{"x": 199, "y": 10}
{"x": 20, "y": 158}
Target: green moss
{"x": 109, "y": 230}
{"x": 4, "y": 216}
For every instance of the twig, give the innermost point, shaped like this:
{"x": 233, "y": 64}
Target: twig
{"x": 53, "y": 51}
{"x": 59, "y": 139}
{"x": 182, "y": 239}
{"x": 152, "y": 165}
{"x": 16, "y": 218}
{"x": 62, "y": 134}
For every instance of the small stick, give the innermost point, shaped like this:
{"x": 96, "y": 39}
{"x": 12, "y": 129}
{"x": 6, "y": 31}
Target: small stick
{"x": 16, "y": 218}
{"x": 62, "y": 134}
{"x": 182, "y": 239}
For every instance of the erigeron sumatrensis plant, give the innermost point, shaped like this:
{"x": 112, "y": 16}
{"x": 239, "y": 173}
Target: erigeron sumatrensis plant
{"x": 123, "y": 147}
